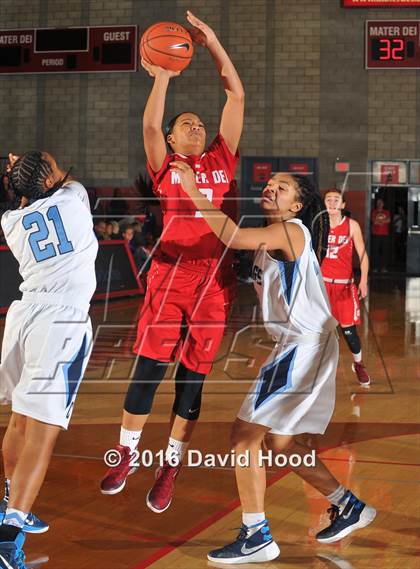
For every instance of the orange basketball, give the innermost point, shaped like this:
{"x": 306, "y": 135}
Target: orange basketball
{"x": 168, "y": 45}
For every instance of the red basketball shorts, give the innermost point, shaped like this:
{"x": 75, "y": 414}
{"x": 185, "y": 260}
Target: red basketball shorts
{"x": 344, "y": 302}
{"x": 184, "y": 315}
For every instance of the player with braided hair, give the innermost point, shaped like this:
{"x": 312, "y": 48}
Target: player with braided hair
{"x": 35, "y": 176}
{"x": 313, "y": 215}
{"x": 47, "y": 336}
{"x": 294, "y": 393}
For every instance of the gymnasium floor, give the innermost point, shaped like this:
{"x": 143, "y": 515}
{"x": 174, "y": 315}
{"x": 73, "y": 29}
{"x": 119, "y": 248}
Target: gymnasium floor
{"x": 372, "y": 445}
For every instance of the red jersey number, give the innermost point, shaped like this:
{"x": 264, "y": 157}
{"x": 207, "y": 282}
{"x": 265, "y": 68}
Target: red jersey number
{"x": 332, "y": 252}
{"x": 208, "y": 193}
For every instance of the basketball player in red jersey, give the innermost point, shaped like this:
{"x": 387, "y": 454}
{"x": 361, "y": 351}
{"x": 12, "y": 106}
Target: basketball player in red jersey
{"x": 337, "y": 270}
{"x": 190, "y": 280}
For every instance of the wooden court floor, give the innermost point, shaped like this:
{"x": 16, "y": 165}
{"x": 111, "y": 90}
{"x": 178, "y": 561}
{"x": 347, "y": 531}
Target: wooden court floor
{"x": 372, "y": 445}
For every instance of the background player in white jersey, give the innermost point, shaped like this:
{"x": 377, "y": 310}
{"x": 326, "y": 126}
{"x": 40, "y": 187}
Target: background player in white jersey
{"x": 295, "y": 391}
{"x": 48, "y": 334}
{"x": 337, "y": 269}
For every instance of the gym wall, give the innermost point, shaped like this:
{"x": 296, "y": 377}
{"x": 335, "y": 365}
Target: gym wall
{"x": 301, "y": 61}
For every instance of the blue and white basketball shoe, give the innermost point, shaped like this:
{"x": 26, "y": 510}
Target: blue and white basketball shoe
{"x": 11, "y": 553}
{"x": 254, "y": 544}
{"x": 32, "y": 525}
{"x": 351, "y": 514}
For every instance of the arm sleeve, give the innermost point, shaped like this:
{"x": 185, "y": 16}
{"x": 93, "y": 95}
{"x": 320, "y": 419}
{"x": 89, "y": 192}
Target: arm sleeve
{"x": 218, "y": 148}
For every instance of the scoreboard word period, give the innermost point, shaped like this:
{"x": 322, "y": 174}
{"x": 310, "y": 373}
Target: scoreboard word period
{"x": 66, "y": 50}
{"x": 393, "y": 44}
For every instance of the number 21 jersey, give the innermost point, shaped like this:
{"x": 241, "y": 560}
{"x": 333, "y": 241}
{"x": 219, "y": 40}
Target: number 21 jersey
{"x": 54, "y": 244}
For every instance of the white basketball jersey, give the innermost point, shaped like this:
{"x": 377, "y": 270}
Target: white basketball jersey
{"x": 292, "y": 294}
{"x": 54, "y": 244}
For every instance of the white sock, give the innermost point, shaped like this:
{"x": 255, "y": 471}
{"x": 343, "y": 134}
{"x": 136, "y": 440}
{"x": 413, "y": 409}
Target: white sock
{"x": 358, "y": 357}
{"x": 175, "y": 450}
{"x": 252, "y": 519}
{"x": 15, "y": 518}
{"x": 338, "y": 494}
{"x": 129, "y": 438}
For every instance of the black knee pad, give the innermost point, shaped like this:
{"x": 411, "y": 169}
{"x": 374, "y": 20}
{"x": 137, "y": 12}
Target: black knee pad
{"x": 188, "y": 388}
{"x": 146, "y": 379}
{"x": 352, "y": 339}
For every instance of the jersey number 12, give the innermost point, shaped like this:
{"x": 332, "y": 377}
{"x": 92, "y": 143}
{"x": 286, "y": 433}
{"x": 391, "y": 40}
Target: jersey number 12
{"x": 41, "y": 253}
{"x": 332, "y": 252}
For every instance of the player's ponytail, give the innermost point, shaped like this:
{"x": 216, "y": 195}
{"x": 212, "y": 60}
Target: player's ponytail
{"x": 313, "y": 214}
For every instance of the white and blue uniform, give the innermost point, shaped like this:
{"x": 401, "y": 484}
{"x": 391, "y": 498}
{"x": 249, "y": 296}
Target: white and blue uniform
{"x": 48, "y": 334}
{"x": 294, "y": 392}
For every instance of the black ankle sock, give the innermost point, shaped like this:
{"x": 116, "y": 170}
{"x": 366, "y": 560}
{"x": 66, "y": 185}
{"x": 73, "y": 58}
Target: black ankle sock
{"x": 8, "y": 533}
{"x": 6, "y": 489}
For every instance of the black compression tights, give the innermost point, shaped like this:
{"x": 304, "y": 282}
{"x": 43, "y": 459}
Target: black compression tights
{"x": 147, "y": 377}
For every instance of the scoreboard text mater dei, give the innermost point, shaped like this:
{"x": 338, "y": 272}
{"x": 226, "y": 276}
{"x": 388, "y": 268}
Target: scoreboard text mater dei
{"x": 65, "y": 50}
{"x": 393, "y": 44}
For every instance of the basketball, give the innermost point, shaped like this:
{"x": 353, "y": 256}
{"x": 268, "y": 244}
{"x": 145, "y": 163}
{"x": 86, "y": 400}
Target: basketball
{"x": 168, "y": 45}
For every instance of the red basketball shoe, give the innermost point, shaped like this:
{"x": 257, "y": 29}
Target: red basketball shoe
{"x": 116, "y": 476}
{"x": 160, "y": 496}
{"x": 362, "y": 375}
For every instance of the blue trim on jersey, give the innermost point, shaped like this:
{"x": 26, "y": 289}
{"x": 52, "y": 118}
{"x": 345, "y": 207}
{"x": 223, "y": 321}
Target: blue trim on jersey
{"x": 288, "y": 272}
{"x": 73, "y": 372}
{"x": 275, "y": 377}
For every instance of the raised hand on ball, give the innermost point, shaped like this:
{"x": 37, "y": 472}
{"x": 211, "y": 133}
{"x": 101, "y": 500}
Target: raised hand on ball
{"x": 201, "y": 33}
{"x": 155, "y": 70}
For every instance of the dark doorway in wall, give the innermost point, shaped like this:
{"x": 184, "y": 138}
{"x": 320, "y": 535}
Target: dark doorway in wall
{"x": 390, "y": 253}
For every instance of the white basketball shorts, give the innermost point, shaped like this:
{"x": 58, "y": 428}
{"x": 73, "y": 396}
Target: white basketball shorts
{"x": 294, "y": 392}
{"x": 44, "y": 355}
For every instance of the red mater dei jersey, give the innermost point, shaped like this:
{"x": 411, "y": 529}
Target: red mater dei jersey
{"x": 185, "y": 232}
{"x": 338, "y": 262}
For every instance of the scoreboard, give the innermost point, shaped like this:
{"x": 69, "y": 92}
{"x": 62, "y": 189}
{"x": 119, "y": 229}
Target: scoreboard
{"x": 381, "y": 3}
{"x": 393, "y": 44}
{"x": 66, "y": 50}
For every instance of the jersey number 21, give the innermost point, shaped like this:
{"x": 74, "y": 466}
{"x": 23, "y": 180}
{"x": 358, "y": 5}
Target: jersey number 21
{"x": 48, "y": 250}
